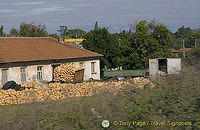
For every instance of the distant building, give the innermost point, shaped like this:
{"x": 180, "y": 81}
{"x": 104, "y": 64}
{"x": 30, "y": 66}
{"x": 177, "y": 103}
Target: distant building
{"x": 75, "y": 42}
{"x": 177, "y": 52}
{"x": 162, "y": 66}
{"x": 186, "y": 50}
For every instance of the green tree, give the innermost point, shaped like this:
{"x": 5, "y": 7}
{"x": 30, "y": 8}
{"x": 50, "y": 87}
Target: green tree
{"x": 75, "y": 33}
{"x": 32, "y": 30}
{"x": 148, "y": 40}
{"x": 2, "y": 34}
{"x": 101, "y": 41}
{"x": 188, "y": 35}
{"x": 14, "y": 32}
{"x": 193, "y": 57}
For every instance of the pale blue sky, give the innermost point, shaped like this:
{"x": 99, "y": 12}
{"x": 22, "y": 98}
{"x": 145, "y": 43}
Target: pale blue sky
{"x": 115, "y": 14}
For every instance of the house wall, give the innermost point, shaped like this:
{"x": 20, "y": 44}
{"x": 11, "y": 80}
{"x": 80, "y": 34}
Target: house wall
{"x": 47, "y": 71}
{"x": 153, "y": 66}
{"x": 173, "y": 65}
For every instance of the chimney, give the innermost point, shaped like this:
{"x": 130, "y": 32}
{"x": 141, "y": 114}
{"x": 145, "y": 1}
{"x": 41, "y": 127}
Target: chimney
{"x": 60, "y": 39}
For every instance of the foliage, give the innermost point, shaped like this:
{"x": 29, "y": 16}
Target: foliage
{"x": 148, "y": 40}
{"x": 29, "y": 30}
{"x": 131, "y": 50}
{"x": 14, "y": 32}
{"x": 101, "y": 41}
{"x": 32, "y": 30}
{"x": 193, "y": 57}
{"x": 2, "y": 34}
{"x": 191, "y": 37}
{"x": 74, "y": 33}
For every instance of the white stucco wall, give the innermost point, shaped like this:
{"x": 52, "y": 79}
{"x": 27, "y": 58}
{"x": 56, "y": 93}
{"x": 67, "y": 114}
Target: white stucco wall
{"x": 31, "y": 73}
{"x": 153, "y": 66}
{"x": 47, "y": 72}
{"x": 14, "y": 74}
{"x": 173, "y": 65}
{"x": 88, "y": 70}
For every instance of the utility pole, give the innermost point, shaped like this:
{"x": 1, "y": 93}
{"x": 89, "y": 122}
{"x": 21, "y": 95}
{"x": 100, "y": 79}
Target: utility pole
{"x": 195, "y": 42}
{"x": 119, "y": 42}
{"x": 183, "y": 48}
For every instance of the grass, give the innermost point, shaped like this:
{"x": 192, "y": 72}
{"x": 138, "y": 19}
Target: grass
{"x": 174, "y": 98}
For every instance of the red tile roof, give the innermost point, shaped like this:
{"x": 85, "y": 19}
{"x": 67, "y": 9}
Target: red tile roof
{"x": 173, "y": 50}
{"x": 20, "y": 49}
{"x": 186, "y": 49}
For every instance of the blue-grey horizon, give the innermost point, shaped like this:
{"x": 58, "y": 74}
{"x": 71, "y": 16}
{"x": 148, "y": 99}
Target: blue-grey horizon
{"x": 114, "y": 14}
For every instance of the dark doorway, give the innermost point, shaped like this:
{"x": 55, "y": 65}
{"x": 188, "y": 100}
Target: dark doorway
{"x": 162, "y": 65}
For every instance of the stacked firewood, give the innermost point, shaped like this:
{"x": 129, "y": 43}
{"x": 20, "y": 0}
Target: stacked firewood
{"x": 65, "y": 73}
{"x": 53, "y": 91}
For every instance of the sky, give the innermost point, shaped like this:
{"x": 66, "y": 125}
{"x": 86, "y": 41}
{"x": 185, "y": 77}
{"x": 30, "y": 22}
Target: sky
{"x": 116, "y": 15}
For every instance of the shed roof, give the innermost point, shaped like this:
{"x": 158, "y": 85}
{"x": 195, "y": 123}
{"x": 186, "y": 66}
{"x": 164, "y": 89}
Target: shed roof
{"x": 22, "y": 49}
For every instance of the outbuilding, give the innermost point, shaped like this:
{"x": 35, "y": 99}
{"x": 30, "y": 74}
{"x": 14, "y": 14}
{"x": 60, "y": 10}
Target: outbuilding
{"x": 25, "y": 59}
{"x": 164, "y": 66}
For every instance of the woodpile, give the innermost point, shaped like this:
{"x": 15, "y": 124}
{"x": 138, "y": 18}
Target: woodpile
{"x": 30, "y": 85}
{"x": 54, "y": 91}
{"x": 141, "y": 82}
{"x": 65, "y": 73}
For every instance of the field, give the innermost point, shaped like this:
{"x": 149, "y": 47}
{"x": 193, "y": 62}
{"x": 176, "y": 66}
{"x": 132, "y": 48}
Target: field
{"x": 171, "y": 98}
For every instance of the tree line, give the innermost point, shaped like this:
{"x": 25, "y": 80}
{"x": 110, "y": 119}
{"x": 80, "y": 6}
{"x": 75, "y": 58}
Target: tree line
{"x": 127, "y": 49}
{"x": 39, "y": 30}
{"x": 145, "y": 39}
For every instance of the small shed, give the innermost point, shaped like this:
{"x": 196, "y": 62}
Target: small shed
{"x": 164, "y": 66}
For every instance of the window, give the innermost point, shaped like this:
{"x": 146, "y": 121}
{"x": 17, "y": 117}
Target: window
{"x": 81, "y": 64}
{"x": 93, "y": 67}
{"x": 4, "y": 76}
{"x": 39, "y": 72}
{"x": 23, "y": 74}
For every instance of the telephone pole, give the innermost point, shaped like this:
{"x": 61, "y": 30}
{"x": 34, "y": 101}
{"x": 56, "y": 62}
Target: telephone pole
{"x": 195, "y": 42}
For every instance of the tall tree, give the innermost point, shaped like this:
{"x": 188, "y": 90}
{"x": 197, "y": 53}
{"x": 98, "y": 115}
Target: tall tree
{"x": 2, "y": 34}
{"x": 101, "y": 41}
{"x": 149, "y": 40}
{"x": 186, "y": 34}
{"x": 96, "y": 26}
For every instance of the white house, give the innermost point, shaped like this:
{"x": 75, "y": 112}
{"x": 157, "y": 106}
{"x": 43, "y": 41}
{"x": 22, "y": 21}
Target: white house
{"x": 25, "y": 59}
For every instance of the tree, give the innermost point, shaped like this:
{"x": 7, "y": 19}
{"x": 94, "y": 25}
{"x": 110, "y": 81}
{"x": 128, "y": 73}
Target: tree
{"x": 101, "y": 41}
{"x": 96, "y": 26}
{"x": 2, "y": 34}
{"x": 32, "y": 30}
{"x": 187, "y": 34}
{"x": 75, "y": 33}
{"x": 14, "y": 32}
{"x": 193, "y": 57}
{"x": 148, "y": 40}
